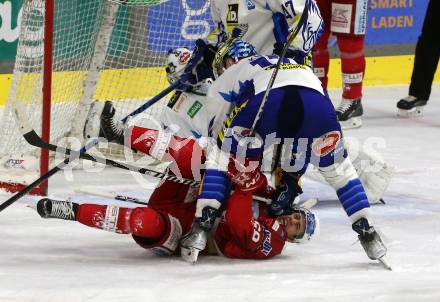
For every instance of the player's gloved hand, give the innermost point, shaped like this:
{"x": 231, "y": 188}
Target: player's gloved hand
{"x": 299, "y": 56}
{"x": 246, "y": 174}
{"x": 283, "y": 199}
{"x": 198, "y": 68}
{"x": 265, "y": 190}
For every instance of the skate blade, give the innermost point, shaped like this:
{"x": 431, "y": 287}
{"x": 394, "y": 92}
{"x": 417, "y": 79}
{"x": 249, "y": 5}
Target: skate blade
{"x": 379, "y": 201}
{"x": 385, "y": 263}
{"x": 412, "y": 113}
{"x": 32, "y": 206}
{"x": 92, "y": 125}
{"x": 354, "y": 122}
{"x": 190, "y": 255}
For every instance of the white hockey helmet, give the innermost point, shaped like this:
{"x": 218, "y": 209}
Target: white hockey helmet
{"x": 176, "y": 62}
{"x": 311, "y": 226}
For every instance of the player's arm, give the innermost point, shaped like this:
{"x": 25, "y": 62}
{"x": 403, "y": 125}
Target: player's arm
{"x": 219, "y": 34}
{"x": 287, "y": 14}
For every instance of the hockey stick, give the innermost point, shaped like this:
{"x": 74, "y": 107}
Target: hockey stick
{"x": 292, "y": 36}
{"x": 153, "y": 101}
{"x": 139, "y": 201}
{"x": 34, "y": 139}
{"x": 119, "y": 197}
{"x": 309, "y": 203}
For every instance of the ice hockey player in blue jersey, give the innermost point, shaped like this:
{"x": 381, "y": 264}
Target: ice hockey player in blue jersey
{"x": 299, "y": 118}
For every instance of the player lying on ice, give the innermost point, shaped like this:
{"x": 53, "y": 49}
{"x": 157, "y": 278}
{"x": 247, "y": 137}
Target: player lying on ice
{"x": 245, "y": 230}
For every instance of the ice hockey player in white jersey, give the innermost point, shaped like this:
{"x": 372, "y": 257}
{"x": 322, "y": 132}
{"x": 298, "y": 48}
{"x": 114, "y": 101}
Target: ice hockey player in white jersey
{"x": 268, "y": 23}
{"x": 187, "y": 112}
{"x": 190, "y": 115}
{"x": 298, "y": 115}
{"x": 180, "y": 146}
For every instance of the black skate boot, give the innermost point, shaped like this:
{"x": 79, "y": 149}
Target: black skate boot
{"x": 101, "y": 122}
{"x": 349, "y": 113}
{"x": 410, "y": 106}
{"x": 111, "y": 128}
{"x": 370, "y": 239}
{"x": 50, "y": 208}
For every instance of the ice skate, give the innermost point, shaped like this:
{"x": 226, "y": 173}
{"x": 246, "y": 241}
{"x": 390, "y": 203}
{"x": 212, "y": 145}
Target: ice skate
{"x": 50, "y": 208}
{"x": 410, "y": 106}
{"x": 370, "y": 239}
{"x": 92, "y": 126}
{"x": 101, "y": 122}
{"x": 349, "y": 113}
{"x": 112, "y": 129}
{"x": 193, "y": 243}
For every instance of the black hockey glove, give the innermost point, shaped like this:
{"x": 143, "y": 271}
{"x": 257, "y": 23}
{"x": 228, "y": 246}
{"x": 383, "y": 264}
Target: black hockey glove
{"x": 298, "y": 56}
{"x": 283, "y": 199}
{"x": 199, "y": 66}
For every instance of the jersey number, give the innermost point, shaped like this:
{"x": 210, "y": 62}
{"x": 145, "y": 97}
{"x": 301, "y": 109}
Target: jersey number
{"x": 288, "y": 10}
{"x": 256, "y": 235}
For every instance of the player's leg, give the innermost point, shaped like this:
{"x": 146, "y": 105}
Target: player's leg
{"x": 348, "y": 23}
{"x": 326, "y": 151}
{"x": 101, "y": 122}
{"x": 425, "y": 64}
{"x": 373, "y": 171}
{"x": 321, "y": 56}
{"x": 155, "y": 230}
{"x": 184, "y": 154}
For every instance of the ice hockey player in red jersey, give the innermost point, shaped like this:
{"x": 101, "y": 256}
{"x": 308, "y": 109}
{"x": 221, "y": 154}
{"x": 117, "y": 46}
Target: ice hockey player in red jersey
{"x": 244, "y": 230}
{"x": 347, "y": 20}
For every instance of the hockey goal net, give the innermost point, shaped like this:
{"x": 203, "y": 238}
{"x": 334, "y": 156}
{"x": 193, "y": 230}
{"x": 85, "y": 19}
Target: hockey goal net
{"x": 73, "y": 52}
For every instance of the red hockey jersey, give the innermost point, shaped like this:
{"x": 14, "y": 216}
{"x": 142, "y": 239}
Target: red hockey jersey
{"x": 246, "y": 232}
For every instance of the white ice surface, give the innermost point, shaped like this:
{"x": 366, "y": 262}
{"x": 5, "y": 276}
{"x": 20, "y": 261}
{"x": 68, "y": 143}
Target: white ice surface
{"x": 53, "y": 260}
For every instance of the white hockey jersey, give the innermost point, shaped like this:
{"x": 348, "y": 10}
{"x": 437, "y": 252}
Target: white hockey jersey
{"x": 258, "y": 17}
{"x": 257, "y": 69}
{"x": 190, "y": 114}
{"x": 201, "y": 116}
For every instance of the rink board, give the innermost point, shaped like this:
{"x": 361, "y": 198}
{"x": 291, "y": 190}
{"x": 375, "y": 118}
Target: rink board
{"x": 389, "y": 70}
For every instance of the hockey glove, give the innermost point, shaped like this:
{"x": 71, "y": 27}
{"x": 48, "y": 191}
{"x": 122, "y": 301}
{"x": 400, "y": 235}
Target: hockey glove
{"x": 246, "y": 174}
{"x": 283, "y": 199}
{"x": 299, "y": 56}
{"x": 198, "y": 67}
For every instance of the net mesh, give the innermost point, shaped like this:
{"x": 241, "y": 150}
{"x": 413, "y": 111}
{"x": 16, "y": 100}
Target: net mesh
{"x": 102, "y": 50}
